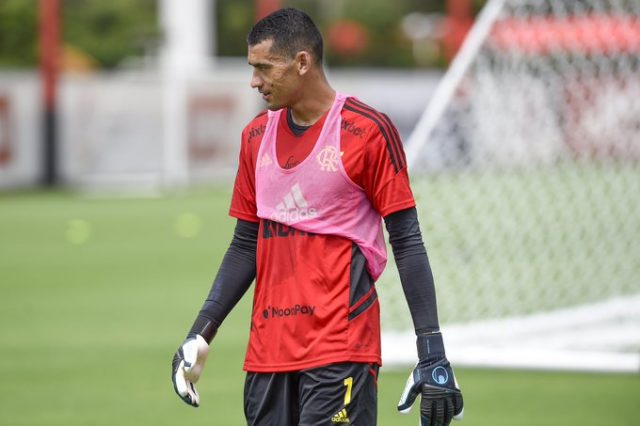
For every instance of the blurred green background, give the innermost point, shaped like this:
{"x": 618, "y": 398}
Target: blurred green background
{"x": 108, "y": 33}
{"x": 98, "y": 292}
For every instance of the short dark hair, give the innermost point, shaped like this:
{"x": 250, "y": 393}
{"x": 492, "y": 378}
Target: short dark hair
{"x": 291, "y": 30}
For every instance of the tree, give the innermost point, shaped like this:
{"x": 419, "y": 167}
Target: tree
{"x": 18, "y": 33}
{"x": 110, "y": 31}
{"x": 107, "y": 31}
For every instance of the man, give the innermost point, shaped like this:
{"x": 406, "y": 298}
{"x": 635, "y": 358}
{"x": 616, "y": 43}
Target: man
{"x": 318, "y": 170}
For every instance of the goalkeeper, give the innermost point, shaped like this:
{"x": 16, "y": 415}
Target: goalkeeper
{"x": 318, "y": 171}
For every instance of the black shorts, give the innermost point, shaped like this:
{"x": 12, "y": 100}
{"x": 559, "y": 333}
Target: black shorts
{"x": 337, "y": 394}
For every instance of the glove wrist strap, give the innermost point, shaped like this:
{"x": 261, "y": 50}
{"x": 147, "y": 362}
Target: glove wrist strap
{"x": 204, "y": 327}
{"x": 430, "y": 346}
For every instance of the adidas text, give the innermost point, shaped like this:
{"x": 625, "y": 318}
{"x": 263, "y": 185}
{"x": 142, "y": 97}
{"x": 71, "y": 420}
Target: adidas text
{"x": 293, "y": 208}
{"x": 340, "y": 417}
{"x": 294, "y": 215}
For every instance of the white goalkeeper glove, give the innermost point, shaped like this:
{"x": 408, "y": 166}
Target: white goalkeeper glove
{"x": 188, "y": 363}
{"x": 433, "y": 379}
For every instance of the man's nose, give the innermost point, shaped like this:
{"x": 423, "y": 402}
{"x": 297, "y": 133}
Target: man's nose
{"x": 256, "y": 81}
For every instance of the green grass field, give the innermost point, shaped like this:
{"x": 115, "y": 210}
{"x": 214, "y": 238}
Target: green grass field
{"x": 97, "y": 293}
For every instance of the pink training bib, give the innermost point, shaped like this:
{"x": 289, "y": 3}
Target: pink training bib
{"x": 317, "y": 195}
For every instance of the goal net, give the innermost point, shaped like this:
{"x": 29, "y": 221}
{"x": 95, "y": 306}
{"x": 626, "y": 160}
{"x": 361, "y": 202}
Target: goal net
{"x": 526, "y": 170}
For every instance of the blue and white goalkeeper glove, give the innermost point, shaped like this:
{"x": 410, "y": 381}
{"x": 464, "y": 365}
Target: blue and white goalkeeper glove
{"x": 433, "y": 379}
{"x": 188, "y": 363}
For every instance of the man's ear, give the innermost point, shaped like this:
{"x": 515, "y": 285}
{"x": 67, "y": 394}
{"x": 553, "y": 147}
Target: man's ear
{"x": 304, "y": 61}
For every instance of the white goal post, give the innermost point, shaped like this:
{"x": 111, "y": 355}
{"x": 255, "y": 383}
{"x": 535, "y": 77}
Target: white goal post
{"x": 526, "y": 170}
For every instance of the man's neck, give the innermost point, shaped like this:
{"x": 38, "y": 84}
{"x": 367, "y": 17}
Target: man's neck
{"x": 315, "y": 102}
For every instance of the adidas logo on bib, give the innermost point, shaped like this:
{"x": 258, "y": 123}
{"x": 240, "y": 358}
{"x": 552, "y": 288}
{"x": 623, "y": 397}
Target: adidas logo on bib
{"x": 294, "y": 208}
{"x": 265, "y": 161}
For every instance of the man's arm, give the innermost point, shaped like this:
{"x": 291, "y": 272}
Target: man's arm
{"x": 414, "y": 269}
{"x": 236, "y": 273}
{"x": 433, "y": 377}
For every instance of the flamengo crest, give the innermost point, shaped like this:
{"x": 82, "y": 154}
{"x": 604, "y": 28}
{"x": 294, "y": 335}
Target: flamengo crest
{"x": 328, "y": 159}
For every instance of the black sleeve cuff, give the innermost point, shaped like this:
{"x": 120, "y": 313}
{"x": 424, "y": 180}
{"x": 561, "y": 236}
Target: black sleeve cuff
{"x": 204, "y": 327}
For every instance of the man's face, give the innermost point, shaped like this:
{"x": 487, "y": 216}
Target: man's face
{"x": 274, "y": 75}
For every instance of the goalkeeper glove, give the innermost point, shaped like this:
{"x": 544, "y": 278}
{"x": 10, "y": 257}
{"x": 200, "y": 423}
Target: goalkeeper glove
{"x": 188, "y": 361}
{"x": 434, "y": 380}
{"x": 187, "y": 366}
